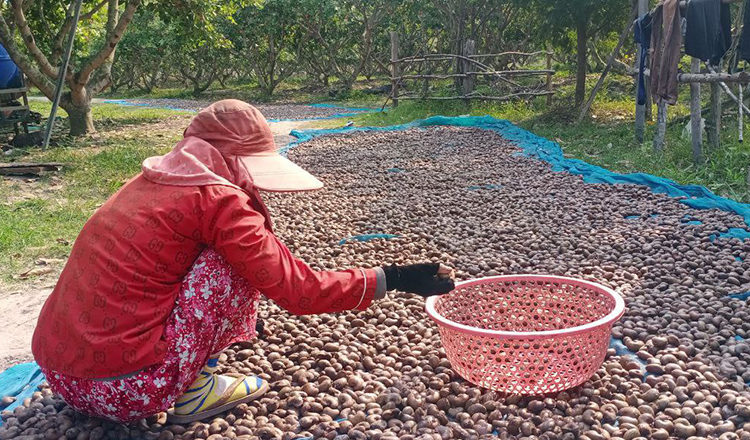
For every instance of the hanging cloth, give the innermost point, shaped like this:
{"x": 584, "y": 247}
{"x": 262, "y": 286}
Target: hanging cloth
{"x": 745, "y": 40}
{"x": 666, "y": 44}
{"x": 708, "y": 34}
{"x": 643, "y": 37}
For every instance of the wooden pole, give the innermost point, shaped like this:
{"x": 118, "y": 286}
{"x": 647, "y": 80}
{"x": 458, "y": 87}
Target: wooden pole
{"x": 640, "y": 110}
{"x": 468, "y": 80}
{"x": 741, "y": 119}
{"x": 549, "y": 76}
{"x": 715, "y": 125}
{"x": 394, "y": 68}
{"x": 714, "y": 76}
{"x": 729, "y": 92}
{"x": 695, "y": 114}
{"x": 649, "y": 100}
{"x": 661, "y": 126}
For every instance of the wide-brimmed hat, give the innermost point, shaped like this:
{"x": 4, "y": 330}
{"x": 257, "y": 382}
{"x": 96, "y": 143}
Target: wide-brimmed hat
{"x": 237, "y": 128}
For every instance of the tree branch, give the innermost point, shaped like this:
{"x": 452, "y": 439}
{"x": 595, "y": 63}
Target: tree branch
{"x": 57, "y": 48}
{"x": 27, "y": 66}
{"x": 89, "y": 15}
{"x": 101, "y": 85}
{"x": 43, "y": 18}
{"x": 109, "y": 46}
{"x": 29, "y": 42}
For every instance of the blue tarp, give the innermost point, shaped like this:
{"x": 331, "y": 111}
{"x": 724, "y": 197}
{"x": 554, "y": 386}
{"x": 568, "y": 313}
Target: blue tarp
{"x": 146, "y": 104}
{"x": 484, "y": 186}
{"x": 20, "y": 381}
{"x": 367, "y": 237}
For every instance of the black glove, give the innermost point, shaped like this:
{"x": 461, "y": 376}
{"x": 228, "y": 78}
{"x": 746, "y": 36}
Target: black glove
{"x": 421, "y": 279}
{"x": 259, "y": 327}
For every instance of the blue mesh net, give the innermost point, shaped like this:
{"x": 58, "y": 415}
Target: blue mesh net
{"x": 367, "y": 237}
{"x": 20, "y": 381}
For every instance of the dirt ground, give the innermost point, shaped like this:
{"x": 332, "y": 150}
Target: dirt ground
{"x": 20, "y": 305}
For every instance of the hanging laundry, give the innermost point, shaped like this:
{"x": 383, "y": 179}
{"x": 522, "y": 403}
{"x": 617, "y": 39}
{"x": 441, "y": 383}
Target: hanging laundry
{"x": 708, "y": 34}
{"x": 745, "y": 40}
{"x": 666, "y": 44}
{"x": 643, "y": 37}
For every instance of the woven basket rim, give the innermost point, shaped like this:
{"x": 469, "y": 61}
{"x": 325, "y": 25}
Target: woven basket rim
{"x": 616, "y": 313}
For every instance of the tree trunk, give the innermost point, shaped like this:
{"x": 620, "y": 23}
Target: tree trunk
{"x": 81, "y": 120}
{"x": 581, "y": 37}
{"x": 268, "y": 90}
{"x": 79, "y": 113}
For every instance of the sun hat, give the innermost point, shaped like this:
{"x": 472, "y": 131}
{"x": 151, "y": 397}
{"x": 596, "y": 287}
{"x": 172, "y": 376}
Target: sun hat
{"x": 236, "y": 128}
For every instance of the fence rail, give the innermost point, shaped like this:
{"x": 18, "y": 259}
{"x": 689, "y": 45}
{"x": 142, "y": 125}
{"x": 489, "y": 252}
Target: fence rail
{"x": 468, "y": 68}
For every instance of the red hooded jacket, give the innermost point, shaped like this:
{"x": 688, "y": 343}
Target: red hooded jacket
{"x": 107, "y": 314}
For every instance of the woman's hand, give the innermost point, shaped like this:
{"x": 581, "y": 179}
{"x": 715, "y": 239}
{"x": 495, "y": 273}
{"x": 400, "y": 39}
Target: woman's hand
{"x": 427, "y": 279}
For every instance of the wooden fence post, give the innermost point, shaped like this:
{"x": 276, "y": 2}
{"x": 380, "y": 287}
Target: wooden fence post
{"x": 468, "y": 80}
{"x": 714, "y": 132}
{"x": 695, "y": 113}
{"x": 661, "y": 126}
{"x": 394, "y": 68}
{"x": 640, "y": 110}
{"x": 549, "y": 76}
{"x": 741, "y": 118}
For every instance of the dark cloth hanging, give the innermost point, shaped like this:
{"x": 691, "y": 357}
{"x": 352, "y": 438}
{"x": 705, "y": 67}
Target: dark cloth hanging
{"x": 643, "y": 37}
{"x": 666, "y": 45}
{"x": 708, "y": 34}
{"x": 745, "y": 40}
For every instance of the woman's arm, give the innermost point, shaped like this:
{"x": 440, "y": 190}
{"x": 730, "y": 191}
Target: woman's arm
{"x": 237, "y": 232}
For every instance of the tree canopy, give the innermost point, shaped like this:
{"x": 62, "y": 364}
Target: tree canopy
{"x": 142, "y": 44}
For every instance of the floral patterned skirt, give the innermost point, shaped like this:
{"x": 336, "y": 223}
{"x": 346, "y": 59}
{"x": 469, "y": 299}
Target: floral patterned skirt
{"x": 215, "y": 308}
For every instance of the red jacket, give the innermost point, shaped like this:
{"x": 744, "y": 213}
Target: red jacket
{"x": 107, "y": 313}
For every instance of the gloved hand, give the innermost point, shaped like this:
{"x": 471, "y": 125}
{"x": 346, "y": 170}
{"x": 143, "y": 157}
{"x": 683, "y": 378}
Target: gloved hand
{"x": 427, "y": 279}
{"x": 259, "y": 328}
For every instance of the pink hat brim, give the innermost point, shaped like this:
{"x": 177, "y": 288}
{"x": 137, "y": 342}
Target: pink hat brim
{"x": 273, "y": 172}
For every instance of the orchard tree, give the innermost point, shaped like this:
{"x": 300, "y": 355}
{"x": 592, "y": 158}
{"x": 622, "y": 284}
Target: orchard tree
{"x": 200, "y": 52}
{"x": 267, "y": 36}
{"x": 588, "y": 19}
{"x": 142, "y": 60}
{"x": 338, "y": 35}
{"x": 34, "y": 33}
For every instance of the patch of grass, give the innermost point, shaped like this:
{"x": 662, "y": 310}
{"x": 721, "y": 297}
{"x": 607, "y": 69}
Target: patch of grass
{"x": 111, "y": 115}
{"x": 37, "y": 228}
{"x": 42, "y": 218}
{"x": 290, "y": 91}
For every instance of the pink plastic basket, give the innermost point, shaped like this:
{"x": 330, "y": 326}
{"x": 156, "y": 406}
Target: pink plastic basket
{"x": 526, "y": 334}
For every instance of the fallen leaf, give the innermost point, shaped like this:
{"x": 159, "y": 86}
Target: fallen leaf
{"x": 48, "y": 261}
{"x": 37, "y": 271}
{"x": 63, "y": 241}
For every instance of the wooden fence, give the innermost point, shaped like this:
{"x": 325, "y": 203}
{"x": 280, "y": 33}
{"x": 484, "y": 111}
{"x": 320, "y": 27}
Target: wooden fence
{"x": 465, "y": 69}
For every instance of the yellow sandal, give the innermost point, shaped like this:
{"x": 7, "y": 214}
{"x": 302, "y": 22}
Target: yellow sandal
{"x": 212, "y": 394}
